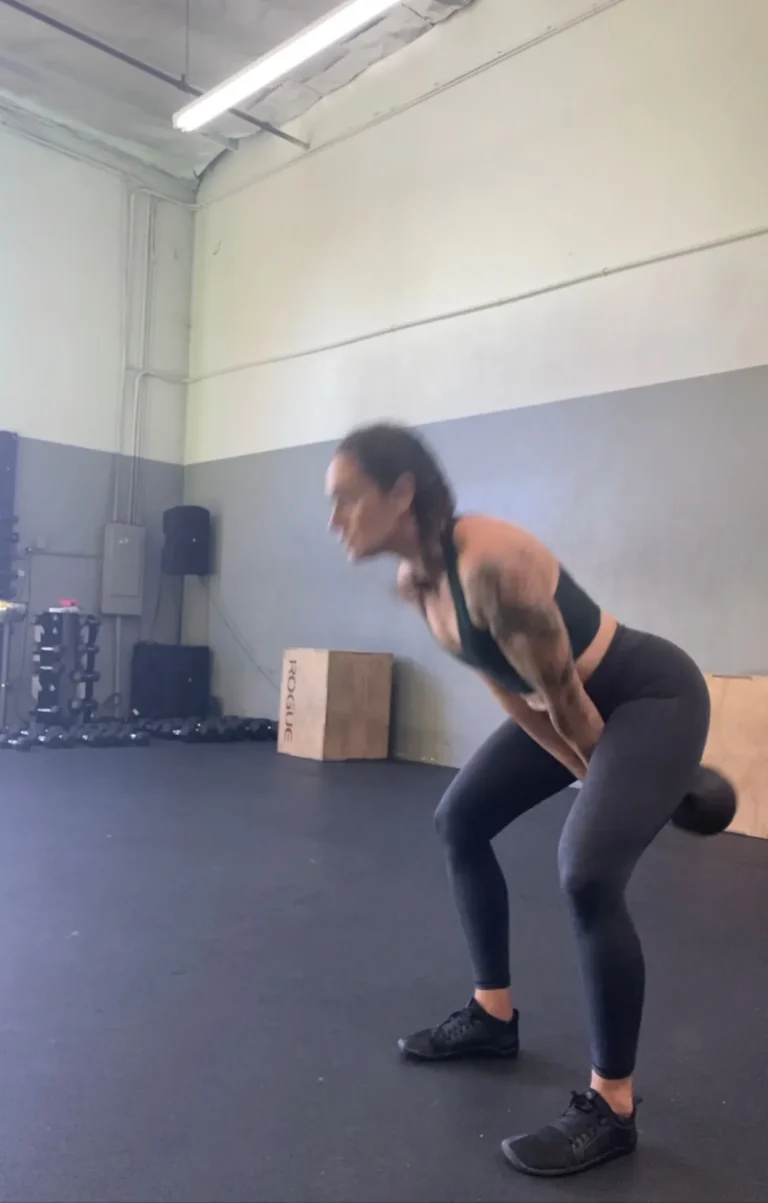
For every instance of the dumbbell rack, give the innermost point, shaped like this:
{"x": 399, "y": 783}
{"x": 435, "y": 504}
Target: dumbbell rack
{"x": 10, "y": 613}
{"x": 64, "y": 667}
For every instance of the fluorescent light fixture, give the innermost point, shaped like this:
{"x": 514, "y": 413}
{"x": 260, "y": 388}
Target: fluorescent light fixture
{"x": 337, "y": 25}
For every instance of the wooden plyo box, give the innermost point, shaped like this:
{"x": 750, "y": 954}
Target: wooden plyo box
{"x": 335, "y": 705}
{"x": 738, "y": 746}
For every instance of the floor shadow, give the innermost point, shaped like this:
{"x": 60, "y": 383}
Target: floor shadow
{"x": 665, "y": 1174}
{"x": 529, "y": 1069}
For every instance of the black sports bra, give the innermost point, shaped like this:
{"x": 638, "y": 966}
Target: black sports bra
{"x": 478, "y": 647}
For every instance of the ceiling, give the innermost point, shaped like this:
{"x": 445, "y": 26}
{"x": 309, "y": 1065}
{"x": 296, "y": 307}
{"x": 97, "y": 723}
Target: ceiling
{"x": 49, "y": 72}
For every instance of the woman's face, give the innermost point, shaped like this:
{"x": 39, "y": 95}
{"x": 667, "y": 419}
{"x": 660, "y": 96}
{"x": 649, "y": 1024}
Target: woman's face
{"x": 365, "y": 517}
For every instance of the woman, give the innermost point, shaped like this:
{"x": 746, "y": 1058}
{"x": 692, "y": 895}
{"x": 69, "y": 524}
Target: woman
{"x": 624, "y": 712}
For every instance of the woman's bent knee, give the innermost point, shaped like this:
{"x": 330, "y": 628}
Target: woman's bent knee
{"x": 453, "y": 819}
{"x": 591, "y": 891}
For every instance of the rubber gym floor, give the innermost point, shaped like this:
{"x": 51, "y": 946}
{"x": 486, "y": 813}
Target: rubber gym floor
{"x": 208, "y": 954}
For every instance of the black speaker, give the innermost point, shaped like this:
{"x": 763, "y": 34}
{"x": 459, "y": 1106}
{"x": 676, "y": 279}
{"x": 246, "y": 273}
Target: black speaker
{"x": 170, "y": 681}
{"x": 187, "y": 541}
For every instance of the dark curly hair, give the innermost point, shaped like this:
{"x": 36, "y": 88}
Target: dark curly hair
{"x": 385, "y": 452}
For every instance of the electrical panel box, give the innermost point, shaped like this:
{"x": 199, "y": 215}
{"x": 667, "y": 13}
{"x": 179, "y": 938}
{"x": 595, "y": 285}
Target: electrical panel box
{"x": 122, "y": 582}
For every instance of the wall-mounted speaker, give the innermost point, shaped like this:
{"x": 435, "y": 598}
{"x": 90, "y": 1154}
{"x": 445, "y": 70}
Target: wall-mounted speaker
{"x": 187, "y": 545}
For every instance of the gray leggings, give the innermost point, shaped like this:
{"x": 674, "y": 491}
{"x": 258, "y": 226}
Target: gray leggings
{"x": 655, "y": 704}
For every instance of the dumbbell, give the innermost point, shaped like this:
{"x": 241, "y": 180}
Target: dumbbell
{"x": 191, "y": 732}
{"x": 136, "y": 738}
{"x": 171, "y": 729}
{"x": 231, "y": 729}
{"x": 208, "y": 731}
{"x": 218, "y": 730}
{"x": 254, "y": 729}
{"x": 16, "y": 741}
{"x": 126, "y": 735}
{"x": 90, "y": 735}
{"x": 99, "y": 735}
{"x": 709, "y": 806}
{"x": 260, "y": 730}
{"x": 55, "y": 738}
{"x": 111, "y": 735}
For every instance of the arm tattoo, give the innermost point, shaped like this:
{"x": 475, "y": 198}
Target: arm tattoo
{"x": 532, "y": 632}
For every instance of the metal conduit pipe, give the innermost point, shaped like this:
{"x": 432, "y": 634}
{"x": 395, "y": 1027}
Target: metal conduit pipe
{"x": 181, "y": 85}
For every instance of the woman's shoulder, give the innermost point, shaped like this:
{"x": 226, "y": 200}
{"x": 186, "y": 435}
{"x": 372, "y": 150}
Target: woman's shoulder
{"x": 482, "y": 540}
{"x": 481, "y": 535}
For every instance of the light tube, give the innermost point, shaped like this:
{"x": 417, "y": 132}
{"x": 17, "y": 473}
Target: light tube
{"x": 332, "y": 28}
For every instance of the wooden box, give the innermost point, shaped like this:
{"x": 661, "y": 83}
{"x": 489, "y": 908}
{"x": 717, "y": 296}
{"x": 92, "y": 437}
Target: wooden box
{"x": 738, "y": 746}
{"x": 335, "y": 705}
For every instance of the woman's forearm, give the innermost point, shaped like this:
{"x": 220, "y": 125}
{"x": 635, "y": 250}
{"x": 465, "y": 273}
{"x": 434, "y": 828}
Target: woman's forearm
{"x": 575, "y": 718}
{"x": 538, "y": 725}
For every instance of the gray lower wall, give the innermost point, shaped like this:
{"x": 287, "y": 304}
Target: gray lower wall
{"x": 63, "y": 500}
{"x": 655, "y": 498}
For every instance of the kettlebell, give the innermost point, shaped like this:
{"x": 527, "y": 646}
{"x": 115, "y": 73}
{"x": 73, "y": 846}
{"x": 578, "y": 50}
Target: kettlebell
{"x": 709, "y": 806}
{"x": 19, "y": 743}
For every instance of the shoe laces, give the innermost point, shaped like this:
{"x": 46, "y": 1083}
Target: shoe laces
{"x": 455, "y": 1026}
{"x": 581, "y": 1102}
{"x": 580, "y": 1120}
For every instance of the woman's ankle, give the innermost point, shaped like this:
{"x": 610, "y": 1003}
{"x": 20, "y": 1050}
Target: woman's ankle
{"x": 498, "y": 1003}
{"x": 617, "y": 1093}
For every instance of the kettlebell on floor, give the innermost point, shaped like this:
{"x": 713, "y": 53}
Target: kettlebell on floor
{"x": 709, "y": 806}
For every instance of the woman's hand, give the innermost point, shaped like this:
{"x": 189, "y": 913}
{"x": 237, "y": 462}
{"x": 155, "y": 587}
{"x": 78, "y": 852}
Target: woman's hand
{"x": 511, "y": 597}
{"x": 538, "y": 724}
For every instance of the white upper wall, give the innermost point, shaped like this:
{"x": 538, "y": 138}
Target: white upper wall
{"x": 63, "y": 264}
{"x": 623, "y": 138}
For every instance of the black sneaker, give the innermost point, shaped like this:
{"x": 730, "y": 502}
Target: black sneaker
{"x": 471, "y": 1032}
{"x": 587, "y": 1134}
